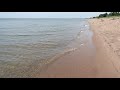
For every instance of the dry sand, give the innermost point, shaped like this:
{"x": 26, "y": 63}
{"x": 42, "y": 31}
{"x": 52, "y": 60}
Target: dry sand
{"x": 103, "y": 61}
{"x": 106, "y": 38}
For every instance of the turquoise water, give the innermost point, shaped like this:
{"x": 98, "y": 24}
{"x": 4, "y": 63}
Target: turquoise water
{"x": 25, "y": 41}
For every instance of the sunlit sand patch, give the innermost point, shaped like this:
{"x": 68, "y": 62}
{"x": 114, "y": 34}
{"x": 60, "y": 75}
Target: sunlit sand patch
{"x": 118, "y": 38}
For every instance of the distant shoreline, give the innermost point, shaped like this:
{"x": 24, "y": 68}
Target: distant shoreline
{"x": 44, "y": 18}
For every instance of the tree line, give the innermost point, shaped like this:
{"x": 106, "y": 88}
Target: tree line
{"x": 108, "y": 14}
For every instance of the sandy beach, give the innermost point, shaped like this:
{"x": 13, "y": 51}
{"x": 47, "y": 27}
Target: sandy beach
{"x": 102, "y": 60}
{"x": 106, "y": 38}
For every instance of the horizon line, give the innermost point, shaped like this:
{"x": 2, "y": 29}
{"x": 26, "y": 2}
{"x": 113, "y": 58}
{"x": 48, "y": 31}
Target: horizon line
{"x": 35, "y": 18}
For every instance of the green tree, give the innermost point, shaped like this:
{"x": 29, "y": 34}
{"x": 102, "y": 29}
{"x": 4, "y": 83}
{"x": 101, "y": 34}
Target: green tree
{"x": 109, "y": 14}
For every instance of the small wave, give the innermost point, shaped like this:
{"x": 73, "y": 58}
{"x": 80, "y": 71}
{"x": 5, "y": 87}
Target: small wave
{"x": 8, "y": 28}
{"x": 43, "y": 45}
{"x": 49, "y": 34}
{"x": 25, "y": 35}
{"x": 85, "y": 25}
{"x": 81, "y": 31}
{"x": 12, "y": 27}
{"x": 81, "y": 44}
{"x": 18, "y": 35}
{"x": 48, "y": 61}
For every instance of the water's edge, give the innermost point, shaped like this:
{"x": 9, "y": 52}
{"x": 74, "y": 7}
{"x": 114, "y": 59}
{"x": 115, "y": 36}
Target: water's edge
{"x": 25, "y": 70}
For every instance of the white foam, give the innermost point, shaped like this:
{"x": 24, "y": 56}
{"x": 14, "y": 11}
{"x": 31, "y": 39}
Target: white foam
{"x": 73, "y": 49}
{"x": 81, "y": 44}
{"x": 81, "y": 31}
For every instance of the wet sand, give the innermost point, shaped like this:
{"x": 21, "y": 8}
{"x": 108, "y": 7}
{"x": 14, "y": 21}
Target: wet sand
{"x": 98, "y": 56}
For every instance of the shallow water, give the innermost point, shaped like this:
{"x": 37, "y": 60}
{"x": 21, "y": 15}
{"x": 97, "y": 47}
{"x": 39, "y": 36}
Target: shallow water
{"x": 26, "y": 43}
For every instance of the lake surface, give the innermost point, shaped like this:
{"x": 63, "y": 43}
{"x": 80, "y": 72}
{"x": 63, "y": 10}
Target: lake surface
{"x": 25, "y": 44}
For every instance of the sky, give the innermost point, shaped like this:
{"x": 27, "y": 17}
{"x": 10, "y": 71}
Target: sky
{"x": 49, "y": 14}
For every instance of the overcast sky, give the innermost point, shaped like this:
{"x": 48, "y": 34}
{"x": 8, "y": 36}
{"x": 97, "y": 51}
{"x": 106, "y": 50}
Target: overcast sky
{"x": 48, "y": 14}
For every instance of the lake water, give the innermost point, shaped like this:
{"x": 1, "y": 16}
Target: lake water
{"x": 25, "y": 44}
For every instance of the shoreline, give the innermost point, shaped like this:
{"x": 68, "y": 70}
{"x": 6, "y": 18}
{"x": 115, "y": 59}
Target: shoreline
{"x": 88, "y": 62}
{"x": 94, "y": 53}
{"x": 69, "y": 64}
